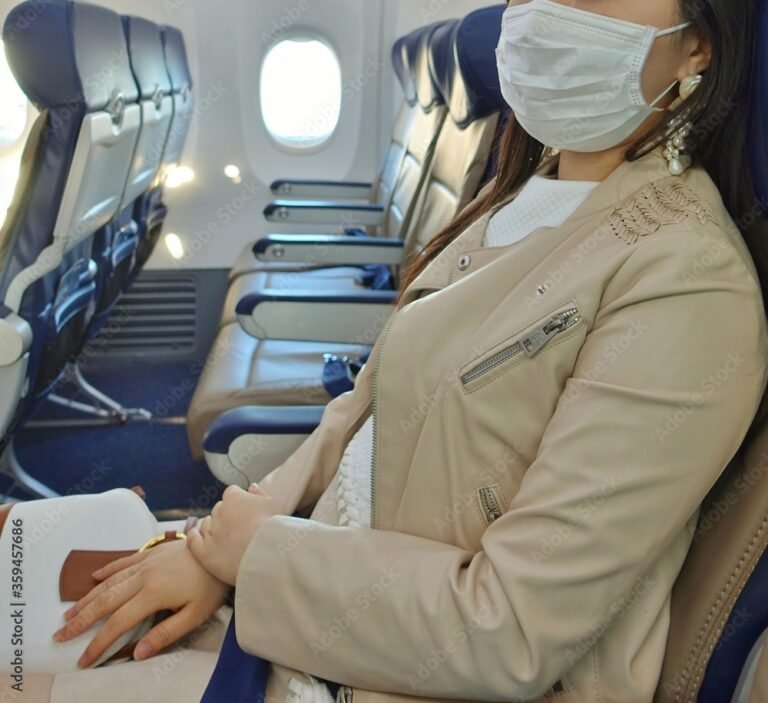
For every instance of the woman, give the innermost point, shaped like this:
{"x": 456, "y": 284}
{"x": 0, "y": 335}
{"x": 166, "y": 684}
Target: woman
{"x": 567, "y": 374}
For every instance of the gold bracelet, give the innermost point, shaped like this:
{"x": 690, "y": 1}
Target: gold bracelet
{"x": 162, "y": 539}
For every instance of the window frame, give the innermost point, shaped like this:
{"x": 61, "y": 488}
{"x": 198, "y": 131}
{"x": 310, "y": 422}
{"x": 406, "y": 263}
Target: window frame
{"x": 295, "y": 149}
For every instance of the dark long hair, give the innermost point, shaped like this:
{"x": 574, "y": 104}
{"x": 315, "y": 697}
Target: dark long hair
{"x": 721, "y": 110}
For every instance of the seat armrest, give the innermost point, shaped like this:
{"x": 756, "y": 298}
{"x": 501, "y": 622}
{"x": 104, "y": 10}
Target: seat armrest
{"x": 330, "y": 249}
{"x": 15, "y": 337}
{"x": 322, "y": 190}
{"x": 332, "y": 317}
{"x": 260, "y": 420}
{"x": 244, "y": 445}
{"x": 322, "y": 212}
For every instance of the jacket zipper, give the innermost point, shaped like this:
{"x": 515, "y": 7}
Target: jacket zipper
{"x": 374, "y": 432}
{"x": 530, "y": 345}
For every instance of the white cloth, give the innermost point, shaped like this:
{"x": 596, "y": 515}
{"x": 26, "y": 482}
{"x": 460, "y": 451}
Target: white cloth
{"x": 543, "y": 202}
{"x": 353, "y": 492}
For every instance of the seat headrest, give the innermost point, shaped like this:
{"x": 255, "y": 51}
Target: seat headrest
{"x": 428, "y": 92}
{"x": 403, "y": 70}
{"x": 176, "y": 59}
{"x": 145, "y": 50}
{"x": 68, "y": 53}
{"x": 464, "y": 65}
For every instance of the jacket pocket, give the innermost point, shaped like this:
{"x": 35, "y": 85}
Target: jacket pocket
{"x": 522, "y": 347}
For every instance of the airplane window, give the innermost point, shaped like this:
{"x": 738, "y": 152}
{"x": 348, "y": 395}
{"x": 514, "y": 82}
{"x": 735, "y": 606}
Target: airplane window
{"x": 301, "y": 92}
{"x": 13, "y": 116}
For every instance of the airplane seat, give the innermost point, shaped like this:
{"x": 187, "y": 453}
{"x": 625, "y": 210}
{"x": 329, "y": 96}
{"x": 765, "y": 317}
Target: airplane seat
{"x": 115, "y": 245}
{"x": 719, "y": 605}
{"x": 390, "y": 164}
{"x": 72, "y": 63}
{"x": 241, "y": 369}
{"x": 467, "y": 79}
{"x": 423, "y": 121}
{"x": 395, "y": 152}
{"x": 462, "y": 63}
{"x": 151, "y": 211}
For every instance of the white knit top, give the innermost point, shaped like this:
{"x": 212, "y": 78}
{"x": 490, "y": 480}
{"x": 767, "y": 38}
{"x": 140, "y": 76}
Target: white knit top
{"x": 543, "y": 202}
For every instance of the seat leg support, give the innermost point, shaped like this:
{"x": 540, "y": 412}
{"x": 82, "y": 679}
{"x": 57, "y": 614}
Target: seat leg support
{"x": 10, "y": 466}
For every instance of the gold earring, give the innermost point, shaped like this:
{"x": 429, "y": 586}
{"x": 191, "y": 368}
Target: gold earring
{"x": 676, "y": 148}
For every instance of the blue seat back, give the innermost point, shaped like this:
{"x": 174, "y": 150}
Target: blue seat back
{"x": 181, "y": 82}
{"x": 156, "y": 97}
{"x": 402, "y": 68}
{"x": 150, "y": 211}
{"x": 462, "y": 64}
{"x": 71, "y": 60}
{"x": 120, "y": 247}
{"x": 720, "y": 601}
{"x": 401, "y": 132}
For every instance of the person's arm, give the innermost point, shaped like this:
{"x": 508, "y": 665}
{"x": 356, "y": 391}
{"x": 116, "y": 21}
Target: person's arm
{"x": 646, "y": 425}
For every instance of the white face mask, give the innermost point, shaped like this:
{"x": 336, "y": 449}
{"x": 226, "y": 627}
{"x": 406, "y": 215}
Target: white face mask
{"x": 573, "y": 78}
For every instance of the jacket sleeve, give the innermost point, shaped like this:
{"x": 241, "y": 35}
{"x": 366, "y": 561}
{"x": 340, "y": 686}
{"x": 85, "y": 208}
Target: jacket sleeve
{"x": 663, "y": 392}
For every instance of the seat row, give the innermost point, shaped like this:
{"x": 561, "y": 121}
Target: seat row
{"x": 114, "y": 101}
{"x": 302, "y": 308}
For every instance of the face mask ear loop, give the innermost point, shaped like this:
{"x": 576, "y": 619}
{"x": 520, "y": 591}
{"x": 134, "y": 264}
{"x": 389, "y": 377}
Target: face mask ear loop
{"x": 673, "y": 84}
{"x": 672, "y": 30}
{"x": 664, "y": 33}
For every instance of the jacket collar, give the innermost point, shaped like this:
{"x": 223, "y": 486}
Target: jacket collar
{"x": 626, "y": 180}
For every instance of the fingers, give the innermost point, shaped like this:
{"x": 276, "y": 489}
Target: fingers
{"x": 170, "y": 630}
{"x": 104, "y": 600}
{"x": 256, "y": 489}
{"x": 231, "y": 492}
{"x": 101, "y": 589}
{"x": 121, "y": 622}
{"x": 197, "y": 545}
{"x": 110, "y": 569}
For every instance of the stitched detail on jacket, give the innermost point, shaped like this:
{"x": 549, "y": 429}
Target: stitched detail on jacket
{"x": 694, "y": 676}
{"x": 654, "y": 207}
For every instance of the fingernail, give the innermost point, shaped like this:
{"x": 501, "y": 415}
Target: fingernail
{"x": 143, "y": 651}
{"x": 82, "y": 662}
{"x": 97, "y": 573}
{"x": 58, "y": 636}
{"x": 70, "y": 613}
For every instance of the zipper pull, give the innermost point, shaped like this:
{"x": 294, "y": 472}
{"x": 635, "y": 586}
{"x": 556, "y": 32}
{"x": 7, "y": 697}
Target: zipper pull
{"x": 542, "y": 335}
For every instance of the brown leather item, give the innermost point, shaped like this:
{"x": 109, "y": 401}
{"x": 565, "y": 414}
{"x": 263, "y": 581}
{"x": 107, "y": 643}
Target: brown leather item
{"x": 5, "y": 511}
{"x": 76, "y": 580}
{"x": 139, "y": 491}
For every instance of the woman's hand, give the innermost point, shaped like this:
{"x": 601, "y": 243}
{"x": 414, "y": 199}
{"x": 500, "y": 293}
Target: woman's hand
{"x": 220, "y": 540}
{"x": 166, "y": 577}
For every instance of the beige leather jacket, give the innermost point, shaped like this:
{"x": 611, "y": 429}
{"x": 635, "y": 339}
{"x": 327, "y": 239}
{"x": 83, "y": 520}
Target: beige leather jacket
{"x": 548, "y": 417}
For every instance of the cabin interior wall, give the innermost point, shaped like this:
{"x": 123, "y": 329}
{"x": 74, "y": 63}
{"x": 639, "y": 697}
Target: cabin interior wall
{"x": 215, "y": 216}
